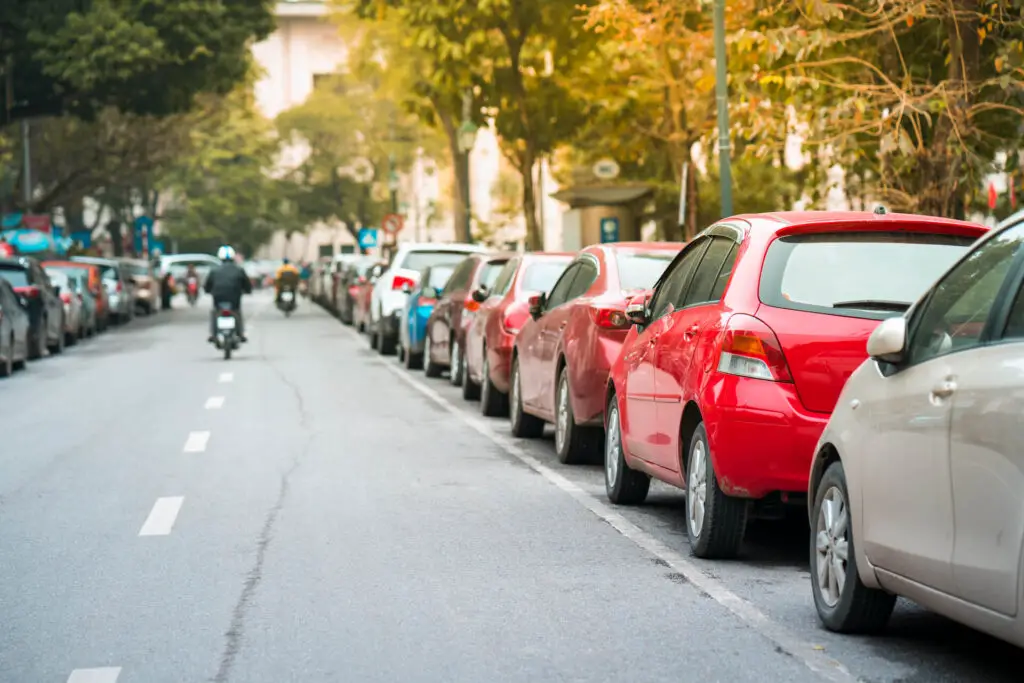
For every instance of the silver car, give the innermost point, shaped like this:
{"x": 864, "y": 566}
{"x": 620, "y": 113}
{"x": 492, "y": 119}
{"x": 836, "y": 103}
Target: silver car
{"x": 917, "y": 487}
{"x": 120, "y": 291}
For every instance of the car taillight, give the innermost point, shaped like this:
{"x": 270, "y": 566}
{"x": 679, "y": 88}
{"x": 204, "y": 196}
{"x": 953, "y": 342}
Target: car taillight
{"x": 225, "y": 313}
{"x": 751, "y": 349}
{"x": 118, "y": 287}
{"x": 515, "y": 317}
{"x": 471, "y": 304}
{"x": 400, "y": 281}
{"x": 65, "y": 297}
{"x": 353, "y": 290}
{"x": 609, "y": 318}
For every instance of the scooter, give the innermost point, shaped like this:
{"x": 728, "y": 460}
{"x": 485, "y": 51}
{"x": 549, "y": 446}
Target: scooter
{"x": 226, "y": 338}
{"x": 192, "y": 290}
{"x": 286, "y": 302}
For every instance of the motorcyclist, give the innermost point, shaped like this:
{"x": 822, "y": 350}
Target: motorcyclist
{"x": 286, "y": 277}
{"x": 226, "y": 284}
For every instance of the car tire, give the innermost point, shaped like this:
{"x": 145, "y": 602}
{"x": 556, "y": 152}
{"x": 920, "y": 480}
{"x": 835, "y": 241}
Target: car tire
{"x": 58, "y": 347}
{"x": 7, "y": 366}
{"x": 413, "y": 360}
{"x": 371, "y": 333}
{"x": 852, "y": 607}
{"x": 493, "y": 402}
{"x": 385, "y": 344}
{"x": 715, "y": 522}
{"x": 574, "y": 445}
{"x": 455, "y": 366}
{"x": 470, "y": 389}
{"x": 430, "y": 368}
{"x": 624, "y": 486}
{"x": 400, "y": 352}
{"x": 37, "y": 347}
{"x": 524, "y": 425}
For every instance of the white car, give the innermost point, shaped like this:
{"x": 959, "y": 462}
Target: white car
{"x": 397, "y": 281}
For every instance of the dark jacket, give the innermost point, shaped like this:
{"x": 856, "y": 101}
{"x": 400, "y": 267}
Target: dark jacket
{"x": 227, "y": 283}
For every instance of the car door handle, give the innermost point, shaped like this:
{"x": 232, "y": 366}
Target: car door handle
{"x": 944, "y": 389}
{"x": 690, "y": 332}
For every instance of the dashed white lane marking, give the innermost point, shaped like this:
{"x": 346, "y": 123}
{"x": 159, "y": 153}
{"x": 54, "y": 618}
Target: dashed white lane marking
{"x": 196, "y": 441}
{"x": 214, "y": 402}
{"x": 226, "y": 377}
{"x": 107, "y": 674}
{"x": 161, "y": 517}
{"x": 806, "y": 652}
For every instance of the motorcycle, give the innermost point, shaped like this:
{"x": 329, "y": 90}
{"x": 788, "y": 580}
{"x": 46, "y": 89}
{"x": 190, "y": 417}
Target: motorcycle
{"x": 286, "y": 302}
{"x": 192, "y": 290}
{"x": 226, "y": 338}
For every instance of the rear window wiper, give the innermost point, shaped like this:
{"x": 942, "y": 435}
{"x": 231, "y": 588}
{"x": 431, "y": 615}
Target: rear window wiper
{"x": 874, "y": 305}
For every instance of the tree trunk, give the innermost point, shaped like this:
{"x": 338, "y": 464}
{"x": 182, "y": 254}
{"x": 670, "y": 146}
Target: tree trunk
{"x": 534, "y": 238}
{"x": 692, "y": 204}
{"x": 116, "y": 236}
{"x": 460, "y": 176}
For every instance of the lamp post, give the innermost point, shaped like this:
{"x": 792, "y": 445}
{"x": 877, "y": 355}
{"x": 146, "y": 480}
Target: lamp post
{"x": 722, "y": 96}
{"x": 393, "y": 183}
{"x": 467, "y": 138}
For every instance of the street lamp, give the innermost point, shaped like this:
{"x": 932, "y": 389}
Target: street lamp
{"x": 466, "y": 140}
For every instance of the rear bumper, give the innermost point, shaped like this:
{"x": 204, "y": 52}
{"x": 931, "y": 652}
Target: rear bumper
{"x": 762, "y": 438}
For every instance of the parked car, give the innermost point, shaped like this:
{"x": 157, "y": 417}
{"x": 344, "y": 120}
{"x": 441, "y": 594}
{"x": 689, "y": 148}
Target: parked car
{"x": 146, "y": 284}
{"x": 93, "y": 276}
{"x": 364, "y": 297}
{"x": 14, "y": 330}
{"x": 562, "y": 356}
{"x": 737, "y": 359}
{"x": 504, "y": 309}
{"x": 74, "y": 328}
{"x": 339, "y": 267}
{"x": 177, "y": 265}
{"x": 352, "y": 275}
{"x": 119, "y": 291}
{"x": 80, "y": 285}
{"x": 388, "y": 298}
{"x": 455, "y": 310}
{"x": 418, "y": 307}
{"x": 916, "y": 483}
{"x": 45, "y": 309}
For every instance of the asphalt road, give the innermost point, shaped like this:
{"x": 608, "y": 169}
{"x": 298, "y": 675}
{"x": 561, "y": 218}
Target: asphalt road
{"x": 311, "y": 512}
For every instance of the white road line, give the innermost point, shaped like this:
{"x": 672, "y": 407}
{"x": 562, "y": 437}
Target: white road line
{"x": 107, "y": 674}
{"x": 161, "y": 517}
{"x": 214, "y": 402}
{"x": 807, "y": 653}
{"x": 196, "y": 441}
{"x": 226, "y": 377}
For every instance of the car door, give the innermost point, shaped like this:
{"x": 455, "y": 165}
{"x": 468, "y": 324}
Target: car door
{"x": 54, "y": 306}
{"x": 536, "y": 344}
{"x": 908, "y": 508}
{"x": 677, "y": 368}
{"x": 488, "y": 309}
{"x": 640, "y": 417}
{"x": 554, "y": 326}
{"x": 439, "y": 324}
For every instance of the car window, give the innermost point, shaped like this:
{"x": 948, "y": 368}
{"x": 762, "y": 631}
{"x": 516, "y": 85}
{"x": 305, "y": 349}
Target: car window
{"x": 504, "y": 278}
{"x": 490, "y": 272}
{"x": 706, "y": 276}
{"x": 640, "y": 270}
{"x": 438, "y": 276}
{"x": 15, "y": 275}
{"x": 953, "y": 316}
{"x": 724, "y": 273}
{"x": 460, "y": 278}
{"x": 560, "y": 292}
{"x": 584, "y": 279}
{"x": 541, "y": 277}
{"x": 418, "y": 260}
{"x": 672, "y": 289}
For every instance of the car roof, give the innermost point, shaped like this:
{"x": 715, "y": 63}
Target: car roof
{"x": 96, "y": 260}
{"x": 457, "y": 247}
{"x": 779, "y": 221}
{"x": 19, "y": 261}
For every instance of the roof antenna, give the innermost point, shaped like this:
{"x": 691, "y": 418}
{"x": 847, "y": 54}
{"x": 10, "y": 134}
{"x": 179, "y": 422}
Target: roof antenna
{"x": 881, "y": 210}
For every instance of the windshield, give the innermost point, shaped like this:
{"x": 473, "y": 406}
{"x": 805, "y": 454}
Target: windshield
{"x": 863, "y": 275}
{"x": 73, "y": 273}
{"x": 638, "y": 270}
{"x": 58, "y": 278}
{"x": 16, "y": 276}
{"x": 439, "y": 276}
{"x": 541, "y": 277}
{"x": 418, "y": 260}
{"x": 137, "y": 268}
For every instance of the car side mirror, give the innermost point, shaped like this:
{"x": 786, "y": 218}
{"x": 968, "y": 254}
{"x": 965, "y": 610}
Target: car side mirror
{"x": 480, "y": 294}
{"x": 536, "y": 303}
{"x": 636, "y": 310}
{"x": 888, "y": 340}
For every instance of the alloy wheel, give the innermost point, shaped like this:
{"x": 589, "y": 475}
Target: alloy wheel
{"x": 485, "y": 390}
{"x": 455, "y": 362}
{"x": 562, "y": 419}
{"x": 612, "y": 446}
{"x": 832, "y": 546}
{"x": 515, "y": 393}
{"x": 697, "y": 488}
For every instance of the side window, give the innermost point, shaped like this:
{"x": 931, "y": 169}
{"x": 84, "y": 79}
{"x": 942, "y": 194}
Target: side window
{"x": 724, "y": 273}
{"x": 560, "y": 292}
{"x": 460, "y": 278}
{"x": 675, "y": 283}
{"x": 954, "y": 316}
{"x": 586, "y": 277}
{"x": 504, "y": 280}
{"x": 706, "y": 275}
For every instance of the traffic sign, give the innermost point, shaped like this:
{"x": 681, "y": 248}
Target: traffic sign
{"x": 367, "y": 238}
{"x": 609, "y": 229}
{"x": 392, "y": 223}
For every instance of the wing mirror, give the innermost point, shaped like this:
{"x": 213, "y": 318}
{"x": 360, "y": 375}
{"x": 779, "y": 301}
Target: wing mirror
{"x": 480, "y": 294}
{"x": 888, "y": 340}
{"x": 636, "y": 310}
{"x": 536, "y": 303}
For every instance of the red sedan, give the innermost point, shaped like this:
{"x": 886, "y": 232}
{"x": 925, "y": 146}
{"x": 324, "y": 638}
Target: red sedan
{"x": 738, "y": 358}
{"x": 503, "y": 312}
{"x": 562, "y": 356}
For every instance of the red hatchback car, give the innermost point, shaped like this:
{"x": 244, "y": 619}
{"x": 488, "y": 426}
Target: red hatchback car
{"x": 562, "y": 356}
{"x": 504, "y": 310}
{"x": 738, "y": 357}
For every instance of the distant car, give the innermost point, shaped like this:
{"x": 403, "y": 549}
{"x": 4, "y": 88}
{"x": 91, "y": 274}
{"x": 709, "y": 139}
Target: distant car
{"x": 350, "y": 277}
{"x": 456, "y": 307}
{"x": 146, "y": 284}
{"x": 14, "y": 330}
{"x": 418, "y": 307}
{"x": 80, "y": 285}
{"x": 364, "y": 298}
{"x": 389, "y": 293}
{"x": 74, "y": 319}
{"x": 916, "y": 484}
{"x": 504, "y": 309}
{"x": 93, "y": 277}
{"x": 119, "y": 290}
{"x": 45, "y": 309}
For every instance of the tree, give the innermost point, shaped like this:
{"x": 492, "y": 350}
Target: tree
{"x": 153, "y": 57}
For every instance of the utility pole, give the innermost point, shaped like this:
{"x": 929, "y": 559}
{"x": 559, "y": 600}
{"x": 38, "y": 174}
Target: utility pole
{"x": 722, "y": 95}
{"x": 26, "y": 175}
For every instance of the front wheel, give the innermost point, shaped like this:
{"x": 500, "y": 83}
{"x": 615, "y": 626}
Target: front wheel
{"x": 228, "y": 345}
{"x": 470, "y": 389}
{"x": 623, "y": 485}
{"x": 430, "y": 368}
{"x": 843, "y": 602}
{"x": 524, "y": 426}
{"x": 573, "y": 444}
{"x": 715, "y": 522}
{"x": 455, "y": 366}
{"x": 493, "y": 403}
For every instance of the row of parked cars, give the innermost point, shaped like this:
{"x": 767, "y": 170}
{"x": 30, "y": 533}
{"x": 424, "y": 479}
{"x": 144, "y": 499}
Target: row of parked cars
{"x": 868, "y": 366}
{"x": 46, "y": 305}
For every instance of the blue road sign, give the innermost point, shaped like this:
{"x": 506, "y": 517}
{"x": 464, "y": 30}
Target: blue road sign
{"x": 367, "y": 238}
{"x": 609, "y": 229}
{"x": 143, "y": 224}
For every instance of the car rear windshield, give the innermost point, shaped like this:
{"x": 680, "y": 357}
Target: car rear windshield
{"x": 862, "y": 275}
{"x": 638, "y": 270}
{"x": 137, "y": 269}
{"x": 490, "y": 273}
{"x": 76, "y": 273}
{"x": 418, "y": 260}
{"x": 58, "y": 278}
{"x": 541, "y": 277}
{"x": 16, "y": 276}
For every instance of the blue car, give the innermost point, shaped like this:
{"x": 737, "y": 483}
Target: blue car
{"x": 418, "y": 307}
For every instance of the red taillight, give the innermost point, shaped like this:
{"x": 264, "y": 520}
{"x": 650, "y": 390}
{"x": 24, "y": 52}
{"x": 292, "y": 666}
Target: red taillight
{"x": 353, "y": 290}
{"x": 751, "y": 349}
{"x": 31, "y": 292}
{"x": 226, "y": 314}
{"x": 65, "y": 297}
{"x": 471, "y": 305}
{"x": 400, "y": 282}
{"x": 118, "y": 287}
{"x": 609, "y": 318}
{"x": 515, "y": 317}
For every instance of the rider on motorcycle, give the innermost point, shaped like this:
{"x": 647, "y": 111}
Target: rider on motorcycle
{"x": 286, "y": 277}
{"x": 226, "y": 284}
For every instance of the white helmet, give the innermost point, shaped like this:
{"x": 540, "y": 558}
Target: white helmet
{"x": 226, "y": 253}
